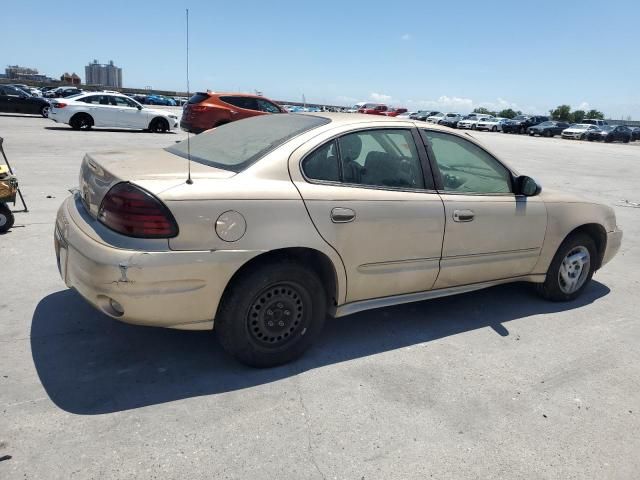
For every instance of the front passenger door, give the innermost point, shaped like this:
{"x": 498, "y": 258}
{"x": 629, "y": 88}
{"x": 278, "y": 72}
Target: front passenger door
{"x": 490, "y": 232}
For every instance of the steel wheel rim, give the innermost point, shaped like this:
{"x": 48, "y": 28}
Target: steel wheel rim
{"x": 574, "y": 270}
{"x": 45, "y": 112}
{"x": 276, "y": 316}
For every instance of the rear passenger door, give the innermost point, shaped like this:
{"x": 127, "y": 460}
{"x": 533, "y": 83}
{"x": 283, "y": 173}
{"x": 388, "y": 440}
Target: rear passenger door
{"x": 370, "y": 195}
{"x": 491, "y": 233}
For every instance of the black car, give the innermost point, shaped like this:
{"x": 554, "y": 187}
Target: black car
{"x": 610, "y": 133}
{"x": 635, "y": 133}
{"x": 14, "y": 100}
{"x": 548, "y": 129}
{"x": 63, "y": 92}
{"x": 423, "y": 115}
{"x": 521, "y": 123}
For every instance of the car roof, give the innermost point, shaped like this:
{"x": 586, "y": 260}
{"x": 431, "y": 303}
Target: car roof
{"x": 339, "y": 119}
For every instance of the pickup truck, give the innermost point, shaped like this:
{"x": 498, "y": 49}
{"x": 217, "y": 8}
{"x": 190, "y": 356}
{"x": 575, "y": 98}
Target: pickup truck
{"x": 374, "y": 109}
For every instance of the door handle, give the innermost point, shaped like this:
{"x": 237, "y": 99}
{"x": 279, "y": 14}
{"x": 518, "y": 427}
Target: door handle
{"x": 342, "y": 215}
{"x": 463, "y": 215}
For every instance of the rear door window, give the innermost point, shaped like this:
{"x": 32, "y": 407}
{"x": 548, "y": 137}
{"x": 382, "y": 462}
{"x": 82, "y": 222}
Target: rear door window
{"x": 247, "y": 103}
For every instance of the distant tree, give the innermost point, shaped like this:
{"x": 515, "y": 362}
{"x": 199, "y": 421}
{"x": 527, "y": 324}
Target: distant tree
{"x": 562, "y": 113}
{"x": 483, "y": 111}
{"x": 577, "y": 116}
{"x": 508, "y": 113}
{"x": 594, "y": 114}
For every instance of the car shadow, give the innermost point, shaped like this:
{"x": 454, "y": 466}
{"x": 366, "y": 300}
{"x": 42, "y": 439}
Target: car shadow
{"x": 100, "y": 129}
{"x": 21, "y": 115}
{"x": 90, "y": 364}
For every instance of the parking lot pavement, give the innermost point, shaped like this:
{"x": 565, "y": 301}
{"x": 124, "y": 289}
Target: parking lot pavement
{"x": 491, "y": 384}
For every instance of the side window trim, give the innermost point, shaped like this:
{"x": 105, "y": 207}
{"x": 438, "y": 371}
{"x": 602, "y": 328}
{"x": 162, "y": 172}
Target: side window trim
{"x": 429, "y": 179}
{"x": 439, "y": 185}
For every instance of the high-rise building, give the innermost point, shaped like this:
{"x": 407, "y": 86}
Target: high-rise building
{"x": 107, "y": 75}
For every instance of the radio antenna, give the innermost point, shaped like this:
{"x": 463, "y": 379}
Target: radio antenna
{"x": 189, "y": 181}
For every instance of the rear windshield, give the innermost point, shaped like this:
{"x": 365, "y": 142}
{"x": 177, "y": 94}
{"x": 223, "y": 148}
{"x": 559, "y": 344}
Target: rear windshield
{"x": 198, "y": 97}
{"x": 235, "y": 146}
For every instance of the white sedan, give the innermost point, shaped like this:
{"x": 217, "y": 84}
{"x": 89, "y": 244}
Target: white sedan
{"x": 578, "y": 131}
{"x": 436, "y": 118}
{"x": 101, "y": 109}
{"x": 471, "y": 122}
{"x": 491, "y": 124}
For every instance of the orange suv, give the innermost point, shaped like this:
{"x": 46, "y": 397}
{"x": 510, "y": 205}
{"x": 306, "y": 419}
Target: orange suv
{"x": 206, "y": 110}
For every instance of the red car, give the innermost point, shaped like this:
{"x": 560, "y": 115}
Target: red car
{"x": 206, "y": 110}
{"x": 394, "y": 112}
{"x": 373, "y": 109}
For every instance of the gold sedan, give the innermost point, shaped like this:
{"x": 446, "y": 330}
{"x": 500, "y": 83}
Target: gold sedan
{"x": 288, "y": 218}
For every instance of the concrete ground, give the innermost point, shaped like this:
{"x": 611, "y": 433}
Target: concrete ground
{"x": 492, "y": 384}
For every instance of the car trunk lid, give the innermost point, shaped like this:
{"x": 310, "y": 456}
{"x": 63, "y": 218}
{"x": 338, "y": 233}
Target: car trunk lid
{"x": 155, "y": 170}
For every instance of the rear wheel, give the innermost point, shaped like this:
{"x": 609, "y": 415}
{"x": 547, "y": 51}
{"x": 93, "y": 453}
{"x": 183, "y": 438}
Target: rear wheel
{"x": 6, "y": 218}
{"x": 494, "y": 129}
{"x": 81, "y": 121}
{"x": 159, "y": 125}
{"x": 571, "y": 269}
{"x": 272, "y": 314}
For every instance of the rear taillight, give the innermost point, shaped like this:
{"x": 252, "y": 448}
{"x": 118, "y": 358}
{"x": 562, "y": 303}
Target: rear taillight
{"x": 59, "y": 105}
{"x": 198, "y": 108}
{"x": 132, "y": 211}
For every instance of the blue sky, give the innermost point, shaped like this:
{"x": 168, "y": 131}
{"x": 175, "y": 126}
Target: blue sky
{"x": 531, "y": 56}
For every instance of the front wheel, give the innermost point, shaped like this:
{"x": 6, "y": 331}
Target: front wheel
{"x": 44, "y": 111}
{"x": 272, "y": 314}
{"x": 571, "y": 269}
{"x": 494, "y": 129}
{"x": 6, "y": 218}
{"x": 159, "y": 125}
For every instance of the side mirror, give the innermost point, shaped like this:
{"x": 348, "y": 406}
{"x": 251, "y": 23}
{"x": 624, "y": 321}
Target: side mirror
{"x": 527, "y": 186}
{"x": 139, "y": 107}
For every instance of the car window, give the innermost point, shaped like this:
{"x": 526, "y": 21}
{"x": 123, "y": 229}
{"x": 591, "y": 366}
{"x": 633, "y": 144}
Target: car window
{"x": 237, "y": 145}
{"x": 248, "y": 103}
{"x": 465, "y": 167}
{"x": 323, "y": 163}
{"x": 385, "y": 158}
{"x": 266, "y": 106}
{"x": 122, "y": 102}
{"x": 94, "y": 99}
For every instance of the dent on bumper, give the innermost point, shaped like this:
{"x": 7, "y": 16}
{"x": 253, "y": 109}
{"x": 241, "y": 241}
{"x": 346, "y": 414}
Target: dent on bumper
{"x": 173, "y": 289}
{"x": 614, "y": 241}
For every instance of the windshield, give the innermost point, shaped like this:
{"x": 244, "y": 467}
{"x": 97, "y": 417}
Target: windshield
{"x": 606, "y": 128}
{"x": 519, "y": 117}
{"x": 237, "y": 145}
{"x": 547, "y": 124}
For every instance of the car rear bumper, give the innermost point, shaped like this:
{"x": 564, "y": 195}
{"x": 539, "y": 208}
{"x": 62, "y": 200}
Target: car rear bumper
{"x": 614, "y": 241}
{"x": 172, "y": 289}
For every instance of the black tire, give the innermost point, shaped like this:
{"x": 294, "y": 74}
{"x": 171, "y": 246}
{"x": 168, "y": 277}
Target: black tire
{"x": 44, "y": 111}
{"x": 531, "y": 134}
{"x": 551, "y": 289}
{"x": 81, "y": 121}
{"x": 521, "y": 131}
{"x": 6, "y": 218}
{"x": 474, "y": 127}
{"x": 159, "y": 125}
{"x": 271, "y": 315}
{"x": 546, "y": 133}
{"x": 626, "y": 140}
{"x": 494, "y": 129}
